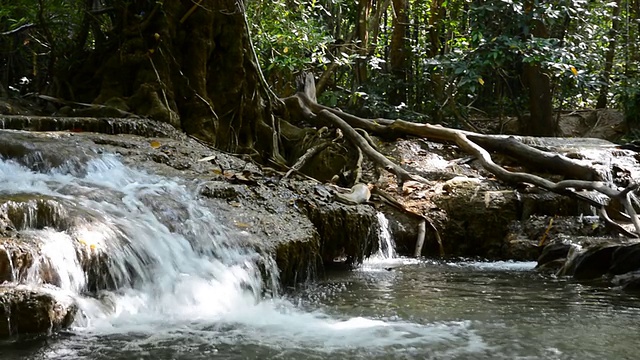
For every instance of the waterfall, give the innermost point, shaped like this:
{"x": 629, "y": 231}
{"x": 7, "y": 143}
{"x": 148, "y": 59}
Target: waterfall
{"x": 386, "y": 245}
{"x": 385, "y": 258}
{"x": 147, "y": 261}
{"x": 146, "y": 238}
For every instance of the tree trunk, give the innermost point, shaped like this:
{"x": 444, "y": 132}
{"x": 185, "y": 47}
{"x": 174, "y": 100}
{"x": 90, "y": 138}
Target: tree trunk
{"x": 541, "y": 122}
{"x": 362, "y": 40}
{"x": 608, "y": 58}
{"x": 398, "y": 52}
{"x": 192, "y": 66}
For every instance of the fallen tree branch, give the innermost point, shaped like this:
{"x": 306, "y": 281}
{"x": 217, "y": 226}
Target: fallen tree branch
{"x": 578, "y": 176}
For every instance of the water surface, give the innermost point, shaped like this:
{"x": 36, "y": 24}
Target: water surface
{"x": 416, "y": 310}
{"x": 182, "y": 286}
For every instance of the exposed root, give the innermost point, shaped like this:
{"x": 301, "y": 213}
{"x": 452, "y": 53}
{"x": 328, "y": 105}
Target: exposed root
{"x": 308, "y": 155}
{"x": 580, "y": 176}
{"x": 401, "y": 174}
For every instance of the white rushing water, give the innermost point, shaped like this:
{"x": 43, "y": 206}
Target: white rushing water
{"x": 171, "y": 267}
{"x": 385, "y": 257}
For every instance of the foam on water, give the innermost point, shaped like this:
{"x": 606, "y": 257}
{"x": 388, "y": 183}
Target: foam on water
{"x": 175, "y": 269}
{"x": 386, "y": 256}
{"x": 496, "y": 265}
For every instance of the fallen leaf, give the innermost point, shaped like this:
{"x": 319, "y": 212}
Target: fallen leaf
{"x": 154, "y": 144}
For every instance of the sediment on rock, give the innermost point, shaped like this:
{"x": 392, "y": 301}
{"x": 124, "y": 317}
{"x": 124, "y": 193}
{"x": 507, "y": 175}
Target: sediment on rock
{"x": 25, "y": 310}
{"x": 347, "y": 233}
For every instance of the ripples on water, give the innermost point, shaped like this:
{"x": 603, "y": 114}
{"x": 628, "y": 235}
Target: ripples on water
{"x": 195, "y": 294}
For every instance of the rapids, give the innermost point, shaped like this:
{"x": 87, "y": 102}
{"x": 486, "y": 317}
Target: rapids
{"x": 162, "y": 271}
{"x": 167, "y": 280}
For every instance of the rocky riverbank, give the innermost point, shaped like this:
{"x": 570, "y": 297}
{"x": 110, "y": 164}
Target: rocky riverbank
{"x": 294, "y": 219}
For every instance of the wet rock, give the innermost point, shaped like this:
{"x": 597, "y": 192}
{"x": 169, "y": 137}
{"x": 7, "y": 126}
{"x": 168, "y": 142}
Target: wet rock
{"x": 347, "y": 233}
{"x": 297, "y": 261}
{"x": 112, "y": 126}
{"x": 16, "y": 257}
{"x": 520, "y": 249}
{"x": 551, "y": 267}
{"x": 477, "y": 217}
{"x": 27, "y": 310}
{"x": 553, "y": 253}
{"x": 29, "y": 211}
{"x": 224, "y": 191}
{"x": 550, "y": 204}
{"x": 590, "y": 264}
{"x": 625, "y": 259}
{"x": 628, "y": 282}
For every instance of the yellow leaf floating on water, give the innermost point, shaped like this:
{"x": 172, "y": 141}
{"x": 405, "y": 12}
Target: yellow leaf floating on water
{"x": 574, "y": 71}
{"x": 154, "y": 144}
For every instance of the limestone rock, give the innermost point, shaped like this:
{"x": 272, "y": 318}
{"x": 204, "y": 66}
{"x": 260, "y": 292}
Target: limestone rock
{"x": 29, "y": 310}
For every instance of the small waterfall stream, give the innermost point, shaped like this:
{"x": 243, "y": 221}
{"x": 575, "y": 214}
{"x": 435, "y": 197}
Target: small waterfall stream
{"x": 386, "y": 245}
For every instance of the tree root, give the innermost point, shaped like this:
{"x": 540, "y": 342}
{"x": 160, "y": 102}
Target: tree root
{"x": 308, "y": 155}
{"x": 580, "y": 176}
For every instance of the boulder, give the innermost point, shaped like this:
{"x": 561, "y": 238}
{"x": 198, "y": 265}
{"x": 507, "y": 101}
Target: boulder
{"x": 34, "y": 310}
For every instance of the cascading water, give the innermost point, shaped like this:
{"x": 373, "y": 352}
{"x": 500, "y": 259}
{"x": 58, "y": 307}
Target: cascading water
{"x": 385, "y": 258}
{"x": 115, "y": 234}
{"x": 150, "y": 266}
{"x": 386, "y": 245}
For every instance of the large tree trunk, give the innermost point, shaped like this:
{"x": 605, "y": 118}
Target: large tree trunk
{"x": 541, "y": 122}
{"x": 192, "y": 65}
{"x": 608, "y": 58}
{"x": 398, "y": 52}
{"x": 362, "y": 39}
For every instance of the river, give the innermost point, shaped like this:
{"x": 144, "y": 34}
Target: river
{"x": 193, "y": 293}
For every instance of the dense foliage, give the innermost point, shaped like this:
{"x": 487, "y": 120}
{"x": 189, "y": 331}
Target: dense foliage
{"x": 447, "y": 59}
{"x": 462, "y": 55}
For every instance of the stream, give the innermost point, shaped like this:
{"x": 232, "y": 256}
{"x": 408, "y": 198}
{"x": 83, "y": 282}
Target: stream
{"x": 187, "y": 289}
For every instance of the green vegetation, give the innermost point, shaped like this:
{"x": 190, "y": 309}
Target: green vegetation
{"x": 462, "y": 58}
{"x": 443, "y": 60}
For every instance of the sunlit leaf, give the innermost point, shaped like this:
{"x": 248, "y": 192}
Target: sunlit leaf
{"x": 574, "y": 71}
{"x": 481, "y": 81}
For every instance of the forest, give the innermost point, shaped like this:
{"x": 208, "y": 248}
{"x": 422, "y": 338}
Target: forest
{"x": 450, "y": 62}
{"x": 305, "y": 179}
{"x": 267, "y": 79}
